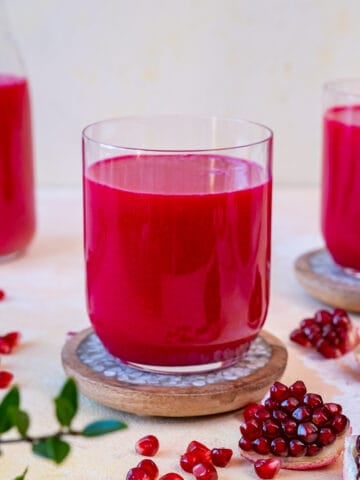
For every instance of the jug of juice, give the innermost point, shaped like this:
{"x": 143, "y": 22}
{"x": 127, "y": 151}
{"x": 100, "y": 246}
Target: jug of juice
{"x": 17, "y": 210}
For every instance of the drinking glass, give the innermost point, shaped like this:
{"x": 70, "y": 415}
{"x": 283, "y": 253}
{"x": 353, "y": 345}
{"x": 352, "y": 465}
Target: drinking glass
{"x": 341, "y": 172}
{"x": 177, "y": 222}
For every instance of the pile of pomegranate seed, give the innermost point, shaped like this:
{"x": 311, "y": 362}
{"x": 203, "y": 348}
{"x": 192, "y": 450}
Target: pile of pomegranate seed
{"x": 198, "y": 459}
{"x": 7, "y": 343}
{"x": 330, "y": 333}
{"x": 291, "y": 423}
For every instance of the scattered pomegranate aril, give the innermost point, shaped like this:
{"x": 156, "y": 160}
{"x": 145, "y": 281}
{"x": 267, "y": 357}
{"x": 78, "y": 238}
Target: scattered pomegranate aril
{"x": 205, "y": 471}
{"x": 8, "y": 342}
{"x": 303, "y": 431}
{"x": 188, "y": 460}
{"x": 171, "y": 476}
{"x": 137, "y": 473}
{"x": 149, "y": 467}
{"x": 268, "y": 468}
{"x": 330, "y": 333}
{"x": 5, "y": 378}
{"x": 147, "y": 446}
{"x": 221, "y": 456}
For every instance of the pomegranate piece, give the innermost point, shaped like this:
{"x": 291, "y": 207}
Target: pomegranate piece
{"x": 267, "y": 468}
{"x": 205, "y": 471}
{"x": 147, "y": 446}
{"x": 5, "y": 378}
{"x": 330, "y": 333}
{"x": 137, "y": 473}
{"x": 302, "y": 431}
{"x": 221, "y": 456}
{"x": 149, "y": 467}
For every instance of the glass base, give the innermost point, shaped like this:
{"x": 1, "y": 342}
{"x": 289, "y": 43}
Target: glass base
{"x": 11, "y": 256}
{"x": 185, "y": 369}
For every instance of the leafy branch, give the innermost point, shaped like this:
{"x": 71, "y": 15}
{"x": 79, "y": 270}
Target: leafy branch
{"x": 54, "y": 446}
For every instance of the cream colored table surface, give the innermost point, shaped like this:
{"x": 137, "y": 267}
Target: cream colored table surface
{"x": 45, "y": 299}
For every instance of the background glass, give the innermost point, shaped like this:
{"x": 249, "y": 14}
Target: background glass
{"x": 177, "y": 238}
{"x": 341, "y": 172}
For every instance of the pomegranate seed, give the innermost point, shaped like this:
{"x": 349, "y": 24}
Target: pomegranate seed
{"x": 298, "y": 336}
{"x": 171, "y": 476}
{"x": 221, "y": 456}
{"x": 313, "y": 400}
{"x": 271, "y": 404}
{"x": 290, "y": 404}
{"x": 251, "y": 429}
{"x": 323, "y": 317}
{"x": 5, "y": 378}
{"x": 312, "y": 449}
{"x": 262, "y": 414}
{"x": 12, "y": 339}
{"x": 137, "y": 473}
{"x": 149, "y": 467}
{"x": 320, "y": 416}
{"x": 342, "y": 320}
{"x": 326, "y": 349}
{"x": 279, "y": 447}
{"x": 261, "y": 445}
{"x": 205, "y": 471}
{"x": 245, "y": 444}
{"x": 301, "y": 414}
{"x": 250, "y": 410}
{"x": 289, "y": 427}
{"x": 307, "y": 432}
{"x": 271, "y": 429}
{"x": 268, "y": 468}
{"x": 326, "y": 437}
{"x": 5, "y": 348}
{"x": 297, "y": 448}
{"x": 312, "y": 333}
{"x": 189, "y": 459}
{"x": 307, "y": 322}
{"x": 339, "y": 423}
{"x": 195, "y": 445}
{"x": 333, "y": 408}
{"x": 2, "y": 295}
{"x": 147, "y": 446}
{"x": 279, "y": 415}
{"x": 298, "y": 389}
{"x": 279, "y": 391}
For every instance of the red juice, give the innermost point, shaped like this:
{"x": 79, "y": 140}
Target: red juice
{"x": 177, "y": 264}
{"x": 16, "y": 166}
{"x": 341, "y": 185}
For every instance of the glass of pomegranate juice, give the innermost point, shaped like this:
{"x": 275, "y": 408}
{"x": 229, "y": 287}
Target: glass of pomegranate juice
{"x": 341, "y": 173}
{"x": 177, "y": 223}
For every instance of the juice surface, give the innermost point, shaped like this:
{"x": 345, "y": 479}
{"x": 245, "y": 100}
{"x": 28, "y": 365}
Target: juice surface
{"x": 16, "y": 166}
{"x": 341, "y": 185}
{"x": 177, "y": 260}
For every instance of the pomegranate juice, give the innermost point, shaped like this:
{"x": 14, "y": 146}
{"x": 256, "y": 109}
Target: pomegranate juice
{"x": 341, "y": 185}
{"x": 177, "y": 259}
{"x": 16, "y": 168}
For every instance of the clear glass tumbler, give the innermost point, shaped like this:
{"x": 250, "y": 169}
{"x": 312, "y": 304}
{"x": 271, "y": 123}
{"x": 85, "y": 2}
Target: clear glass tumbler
{"x": 177, "y": 225}
{"x": 341, "y": 172}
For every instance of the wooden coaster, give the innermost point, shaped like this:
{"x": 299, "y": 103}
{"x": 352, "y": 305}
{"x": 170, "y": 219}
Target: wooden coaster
{"x": 110, "y": 382}
{"x": 323, "y": 279}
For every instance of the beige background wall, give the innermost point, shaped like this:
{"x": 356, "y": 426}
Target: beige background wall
{"x": 264, "y": 60}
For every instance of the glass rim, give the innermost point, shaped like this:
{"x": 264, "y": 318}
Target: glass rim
{"x": 338, "y": 86}
{"x": 268, "y": 133}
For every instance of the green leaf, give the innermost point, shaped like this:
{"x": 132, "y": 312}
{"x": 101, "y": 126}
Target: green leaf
{"x": 102, "y": 427}
{"x": 52, "y": 448}
{"x": 21, "y": 477}
{"x": 66, "y": 403}
{"x": 11, "y": 401}
{"x": 21, "y": 421}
